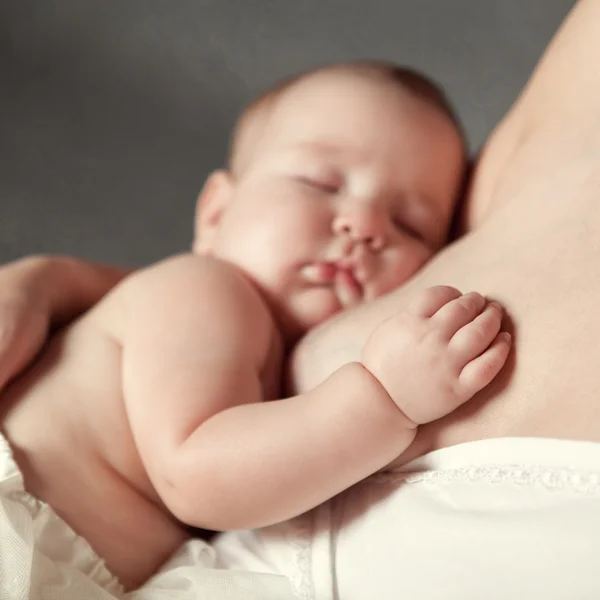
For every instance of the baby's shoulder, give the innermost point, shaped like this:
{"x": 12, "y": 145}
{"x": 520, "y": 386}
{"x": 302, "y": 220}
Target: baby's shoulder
{"x": 196, "y": 288}
{"x": 187, "y": 276}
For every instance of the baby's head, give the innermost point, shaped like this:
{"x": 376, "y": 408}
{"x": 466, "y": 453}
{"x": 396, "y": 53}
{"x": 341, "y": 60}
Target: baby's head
{"x": 342, "y": 183}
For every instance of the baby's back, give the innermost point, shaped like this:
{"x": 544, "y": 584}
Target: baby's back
{"x": 67, "y": 424}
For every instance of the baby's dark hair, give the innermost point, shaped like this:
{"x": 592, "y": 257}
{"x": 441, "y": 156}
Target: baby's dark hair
{"x": 254, "y": 116}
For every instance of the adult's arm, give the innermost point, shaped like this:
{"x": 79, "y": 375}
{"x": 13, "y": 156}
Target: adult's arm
{"x": 40, "y": 293}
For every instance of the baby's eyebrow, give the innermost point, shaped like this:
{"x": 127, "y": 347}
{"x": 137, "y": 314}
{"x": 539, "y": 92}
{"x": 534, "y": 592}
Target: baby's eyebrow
{"x": 326, "y": 149}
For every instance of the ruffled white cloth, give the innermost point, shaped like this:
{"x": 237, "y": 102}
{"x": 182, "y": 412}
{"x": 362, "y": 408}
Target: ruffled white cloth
{"x": 495, "y": 519}
{"x": 42, "y": 558}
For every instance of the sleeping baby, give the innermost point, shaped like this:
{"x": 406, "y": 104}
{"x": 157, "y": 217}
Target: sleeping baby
{"x": 165, "y": 399}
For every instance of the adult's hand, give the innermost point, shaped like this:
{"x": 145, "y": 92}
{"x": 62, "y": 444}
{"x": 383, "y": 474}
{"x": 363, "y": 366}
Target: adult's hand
{"x": 39, "y": 293}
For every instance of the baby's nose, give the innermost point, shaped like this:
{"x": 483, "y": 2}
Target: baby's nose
{"x": 362, "y": 225}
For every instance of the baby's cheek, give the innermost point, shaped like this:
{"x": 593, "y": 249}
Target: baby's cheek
{"x": 311, "y": 307}
{"x": 403, "y": 268}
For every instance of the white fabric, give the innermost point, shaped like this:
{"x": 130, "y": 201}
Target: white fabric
{"x": 41, "y": 558}
{"x": 494, "y": 519}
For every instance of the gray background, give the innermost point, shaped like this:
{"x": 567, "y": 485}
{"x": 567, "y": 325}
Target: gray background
{"x": 112, "y": 112}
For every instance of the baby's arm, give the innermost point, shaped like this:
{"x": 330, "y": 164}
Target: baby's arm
{"x": 41, "y": 292}
{"x": 218, "y": 456}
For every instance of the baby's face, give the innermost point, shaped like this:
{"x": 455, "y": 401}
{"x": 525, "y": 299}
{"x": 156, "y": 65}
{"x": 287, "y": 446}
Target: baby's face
{"x": 348, "y": 191}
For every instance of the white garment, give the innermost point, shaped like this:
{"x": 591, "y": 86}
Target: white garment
{"x": 505, "y": 518}
{"x": 42, "y": 558}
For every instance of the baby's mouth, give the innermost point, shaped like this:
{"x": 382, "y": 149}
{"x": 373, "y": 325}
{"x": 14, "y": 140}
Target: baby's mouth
{"x": 340, "y": 278}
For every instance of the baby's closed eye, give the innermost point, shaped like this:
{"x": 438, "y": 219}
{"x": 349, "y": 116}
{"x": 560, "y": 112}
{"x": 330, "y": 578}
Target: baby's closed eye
{"x": 403, "y": 225}
{"x": 322, "y": 184}
{"x": 320, "y": 177}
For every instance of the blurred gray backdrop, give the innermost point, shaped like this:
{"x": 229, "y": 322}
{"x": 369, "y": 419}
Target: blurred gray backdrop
{"x": 112, "y": 112}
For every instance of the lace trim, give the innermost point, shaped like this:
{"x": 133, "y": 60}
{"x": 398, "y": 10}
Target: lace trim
{"x": 300, "y": 531}
{"x": 554, "y": 480}
{"x": 299, "y": 536}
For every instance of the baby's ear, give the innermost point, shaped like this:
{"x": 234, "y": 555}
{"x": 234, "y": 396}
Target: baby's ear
{"x": 212, "y": 202}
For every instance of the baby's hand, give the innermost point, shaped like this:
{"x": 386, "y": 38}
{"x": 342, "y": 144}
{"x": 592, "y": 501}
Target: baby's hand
{"x": 439, "y": 352}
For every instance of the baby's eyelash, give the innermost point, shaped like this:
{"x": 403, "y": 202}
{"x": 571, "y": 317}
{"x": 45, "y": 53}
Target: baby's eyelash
{"x": 406, "y": 228}
{"x": 318, "y": 184}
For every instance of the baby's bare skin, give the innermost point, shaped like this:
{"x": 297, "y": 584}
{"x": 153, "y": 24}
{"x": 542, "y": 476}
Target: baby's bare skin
{"x": 157, "y": 396}
{"x": 88, "y": 467}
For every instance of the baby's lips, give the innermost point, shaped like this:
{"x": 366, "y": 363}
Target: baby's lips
{"x": 345, "y": 285}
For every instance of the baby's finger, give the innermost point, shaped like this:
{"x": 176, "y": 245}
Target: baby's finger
{"x": 472, "y": 340}
{"x": 482, "y": 370}
{"x": 429, "y": 301}
{"x": 456, "y": 314}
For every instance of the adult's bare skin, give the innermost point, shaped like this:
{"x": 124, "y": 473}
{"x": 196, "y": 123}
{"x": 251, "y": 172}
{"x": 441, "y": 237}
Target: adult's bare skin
{"x": 40, "y": 293}
{"x": 533, "y": 243}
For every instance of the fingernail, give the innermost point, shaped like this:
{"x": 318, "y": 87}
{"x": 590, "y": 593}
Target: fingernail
{"x": 480, "y": 299}
{"x": 506, "y": 336}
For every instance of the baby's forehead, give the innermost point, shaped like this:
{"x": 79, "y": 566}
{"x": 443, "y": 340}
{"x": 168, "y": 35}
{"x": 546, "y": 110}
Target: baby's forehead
{"x": 330, "y": 105}
{"x": 349, "y": 100}
{"x": 338, "y": 84}
{"x": 340, "y": 94}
